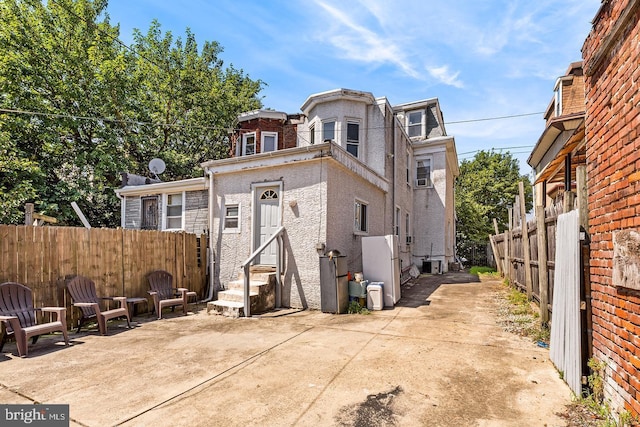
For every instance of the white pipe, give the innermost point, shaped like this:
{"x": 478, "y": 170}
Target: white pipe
{"x": 212, "y": 263}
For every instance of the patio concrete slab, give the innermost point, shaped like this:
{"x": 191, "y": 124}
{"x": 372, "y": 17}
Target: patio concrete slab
{"x": 438, "y": 358}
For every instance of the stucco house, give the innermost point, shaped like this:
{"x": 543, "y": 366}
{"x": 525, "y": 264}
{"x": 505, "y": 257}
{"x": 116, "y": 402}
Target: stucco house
{"x": 349, "y": 165}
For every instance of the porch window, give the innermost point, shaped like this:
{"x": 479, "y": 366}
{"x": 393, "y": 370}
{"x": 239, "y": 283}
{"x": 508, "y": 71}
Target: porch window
{"x": 248, "y": 144}
{"x": 149, "y": 213}
{"x": 232, "y": 218}
{"x": 269, "y": 141}
{"x": 360, "y": 222}
{"x": 353, "y": 138}
{"x": 174, "y": 211}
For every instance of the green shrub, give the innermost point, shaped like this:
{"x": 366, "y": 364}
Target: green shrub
{"x": 481, "y": 270}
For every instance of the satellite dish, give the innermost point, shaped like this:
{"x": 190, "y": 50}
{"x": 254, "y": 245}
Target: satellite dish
{"x": 156, "y": 166}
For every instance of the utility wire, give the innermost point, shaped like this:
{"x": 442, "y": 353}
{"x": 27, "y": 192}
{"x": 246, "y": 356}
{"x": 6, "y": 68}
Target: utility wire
{"x": 493, "y": 118}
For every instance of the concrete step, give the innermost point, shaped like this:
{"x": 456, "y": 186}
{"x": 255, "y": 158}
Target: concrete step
{"x": 226, "y": 308}
{"x": 254, "y": 284}
{"x": 236, "y": 295}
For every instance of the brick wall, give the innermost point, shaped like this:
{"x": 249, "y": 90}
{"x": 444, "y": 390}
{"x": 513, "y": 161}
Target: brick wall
{"x": 287, "y": 133}
{"x": 611, "y": 63}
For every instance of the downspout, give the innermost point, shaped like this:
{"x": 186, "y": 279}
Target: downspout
{"x": 393, "y": 188}
{"x": 123, "y": 202}
{"x": 212, "y": 263}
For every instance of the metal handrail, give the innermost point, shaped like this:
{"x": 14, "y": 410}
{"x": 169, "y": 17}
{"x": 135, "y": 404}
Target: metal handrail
{"x": 247, "y": 264}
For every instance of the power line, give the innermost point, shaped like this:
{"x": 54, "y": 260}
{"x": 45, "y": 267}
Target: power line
{"x": 493, "y": 118}
{"x": 498, "y": 148}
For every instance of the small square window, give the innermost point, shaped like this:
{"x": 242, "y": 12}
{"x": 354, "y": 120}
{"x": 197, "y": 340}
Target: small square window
{"x": 269, "y": 141}
{"x": 232, "y": 217}
{"x": 329, "y": 131}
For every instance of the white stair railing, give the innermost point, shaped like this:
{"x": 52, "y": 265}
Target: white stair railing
{"x": 277, "y": 236}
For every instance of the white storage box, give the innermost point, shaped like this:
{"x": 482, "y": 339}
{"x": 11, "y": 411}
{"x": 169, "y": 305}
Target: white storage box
{"x": 375, "y": 296}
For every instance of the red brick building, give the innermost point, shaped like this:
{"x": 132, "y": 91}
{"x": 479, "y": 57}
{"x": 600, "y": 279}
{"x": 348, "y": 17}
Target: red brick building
{"x": 611, "y": 60}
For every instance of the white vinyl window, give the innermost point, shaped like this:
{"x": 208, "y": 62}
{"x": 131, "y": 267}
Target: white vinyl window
{"x": 231, "y": 218}
{"x": 423, "y": 173}
{"x": 353, "y": 138}
{"x": 361, "y": 219}
{"x": 248, "y": 144}
{"x": 329, "y": 131}
{"x": 269, "y": 141}
{"x": 173, "y": 211}
{"x": 415, "y": 121}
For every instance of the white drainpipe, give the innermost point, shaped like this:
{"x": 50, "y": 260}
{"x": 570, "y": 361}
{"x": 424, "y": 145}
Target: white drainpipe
{"x": 212, "y": 264}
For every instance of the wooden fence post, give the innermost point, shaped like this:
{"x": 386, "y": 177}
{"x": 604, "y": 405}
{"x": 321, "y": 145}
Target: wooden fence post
{"x": 583, "y": 207}
{"x": 543, "y": 272}
{"x": 526, "y": 249}
{"x": 509, "y": 254}
{"x": 28, "y": 214}
{"x": 496, "y": 254}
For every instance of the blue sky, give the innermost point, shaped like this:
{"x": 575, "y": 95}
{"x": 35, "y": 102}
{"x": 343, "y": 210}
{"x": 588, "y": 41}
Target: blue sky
{"x": 481, "y": 58}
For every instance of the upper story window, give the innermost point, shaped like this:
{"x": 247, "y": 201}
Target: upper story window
{"x": 329, "y": 131}
{"x": 173, "y": 213}
{"x": 414, "y": 123}
{"x": 557, "y": 99}
{"x": 248, "y": 144}
{"x": 423, "y": 173}
{"x": 397, "y": 221}
{"x": 360, "y": 222}
{"x": 408, "y": 159}
{"x": 353, "y": 138}
{"x": 312, "y": 134}
{"x": 269, "y": 141}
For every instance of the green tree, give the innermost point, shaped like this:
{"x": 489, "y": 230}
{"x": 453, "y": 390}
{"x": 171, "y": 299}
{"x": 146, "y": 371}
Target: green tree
{"x": 77, "y": 107}
{"x": 486, "y": 188}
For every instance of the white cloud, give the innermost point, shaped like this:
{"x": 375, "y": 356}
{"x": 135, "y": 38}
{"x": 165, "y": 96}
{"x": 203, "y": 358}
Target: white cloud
{"x": 443, "y": 75}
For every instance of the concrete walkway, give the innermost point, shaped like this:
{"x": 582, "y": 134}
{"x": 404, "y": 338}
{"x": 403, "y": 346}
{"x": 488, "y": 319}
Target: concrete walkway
{"x": 437, "y": 359}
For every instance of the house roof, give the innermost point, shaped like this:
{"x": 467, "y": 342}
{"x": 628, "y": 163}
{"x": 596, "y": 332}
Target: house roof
{"x": 336, "y": 95}
{"x": 262, "y": 114}
{"x": 192, "y": 184}
{"x": 549, "y": 137}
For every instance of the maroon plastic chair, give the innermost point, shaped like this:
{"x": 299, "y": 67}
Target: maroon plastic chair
{"x": 19, "y": 316}
{"x": 83, "y": 293}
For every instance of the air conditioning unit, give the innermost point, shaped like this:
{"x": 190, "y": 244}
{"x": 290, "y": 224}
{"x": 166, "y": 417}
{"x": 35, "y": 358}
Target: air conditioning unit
{"x": 421, "y": 182}
{"x": 409, "y": 240}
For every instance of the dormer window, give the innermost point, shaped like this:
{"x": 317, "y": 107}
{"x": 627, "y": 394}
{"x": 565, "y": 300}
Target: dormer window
{"x": 269, "y": 141}
{"x": 248, "y": 144}
{"x": 414, "y": 123}
{"x": 329, "y": 131}
{"x": 353, "y": 138}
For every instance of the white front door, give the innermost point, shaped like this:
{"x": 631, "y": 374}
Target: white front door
{"x": 267, "y": 222}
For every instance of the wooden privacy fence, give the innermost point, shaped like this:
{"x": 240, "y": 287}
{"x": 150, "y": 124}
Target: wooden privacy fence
{"x": 117, "y": 260}
{"x": 526, "y": 253}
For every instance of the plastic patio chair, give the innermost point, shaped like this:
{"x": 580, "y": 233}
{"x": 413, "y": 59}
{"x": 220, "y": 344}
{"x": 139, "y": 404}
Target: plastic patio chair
{"x": 19, "y": 316}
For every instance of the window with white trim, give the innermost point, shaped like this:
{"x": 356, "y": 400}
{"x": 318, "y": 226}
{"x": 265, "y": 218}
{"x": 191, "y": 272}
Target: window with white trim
{"x": 248, "y": 144}
{"x": 415, "y": 121}
{"x": 353, "y": 138}
{"x": 269, "y": 141}
{"x": 329, "y": 131}
{"x": 231, "y": 218}
{"x": 174, "y": 211}
{"x": 360, "y": 223}
{"x": 423, "y": 173}
{"x": 312, "y": 134}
